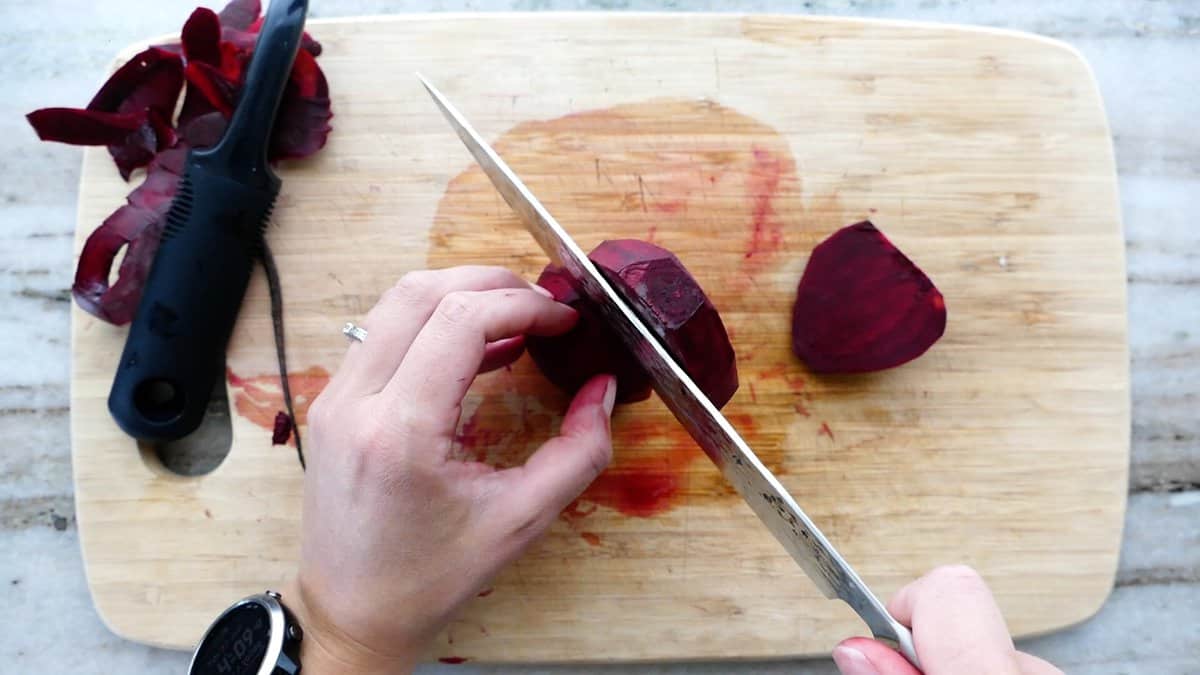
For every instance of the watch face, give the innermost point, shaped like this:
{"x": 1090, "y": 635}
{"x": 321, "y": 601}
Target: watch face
{"x": 236, "y": 645}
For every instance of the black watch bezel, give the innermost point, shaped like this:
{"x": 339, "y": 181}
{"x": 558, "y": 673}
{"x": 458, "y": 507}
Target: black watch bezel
{"x": 282, "y": 655}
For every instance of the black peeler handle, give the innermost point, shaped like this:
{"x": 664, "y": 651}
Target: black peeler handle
{"x": 176, "y": 346}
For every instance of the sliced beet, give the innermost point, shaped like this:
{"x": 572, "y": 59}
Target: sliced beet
{"x": 590, "y": 348}
{"x": 665, "y": 296}
{"x": 863, "y": 306}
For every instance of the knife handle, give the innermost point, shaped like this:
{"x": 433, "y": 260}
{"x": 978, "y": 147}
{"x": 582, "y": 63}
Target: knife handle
{"x": 883, "y": 625}
{"x": 175, "y": 350}
{"x": 900, "y": 637}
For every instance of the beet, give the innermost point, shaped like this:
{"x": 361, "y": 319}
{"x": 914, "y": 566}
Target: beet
{"x": 590, "y": 348}
{"x": 863, "y": 306}
{"x": 281, "y": 430}
{"x": 665, "y": 296}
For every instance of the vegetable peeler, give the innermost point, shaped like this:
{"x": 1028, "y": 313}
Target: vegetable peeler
{"x": 175, "y": 351}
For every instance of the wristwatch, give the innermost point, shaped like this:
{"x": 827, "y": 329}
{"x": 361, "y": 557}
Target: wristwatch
{"x": 257, "y": 635}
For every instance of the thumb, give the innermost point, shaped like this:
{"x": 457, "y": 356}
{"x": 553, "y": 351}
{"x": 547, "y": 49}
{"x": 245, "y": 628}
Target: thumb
{"x": 535, "y": 493}
{"x": 864, "y": 656}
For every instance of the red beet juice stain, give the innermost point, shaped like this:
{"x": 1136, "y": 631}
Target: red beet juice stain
{"x": 650, "y": 482}
{"x": 259, "y": 398}
{"x": 637, "y": 491}
{"x": 762, "y": 184}
{"x": 631, "y": 171}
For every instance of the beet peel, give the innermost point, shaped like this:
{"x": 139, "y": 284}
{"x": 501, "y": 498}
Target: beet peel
{"x": 133, "y": 114}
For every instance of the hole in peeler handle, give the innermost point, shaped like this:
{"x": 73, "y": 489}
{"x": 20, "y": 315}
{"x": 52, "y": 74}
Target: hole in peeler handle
{"x": 200, "y": 452}
{"x": 159, "y": 400}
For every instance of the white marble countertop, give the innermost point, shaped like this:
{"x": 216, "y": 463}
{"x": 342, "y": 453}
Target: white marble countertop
{"x": 1145, "y": 55}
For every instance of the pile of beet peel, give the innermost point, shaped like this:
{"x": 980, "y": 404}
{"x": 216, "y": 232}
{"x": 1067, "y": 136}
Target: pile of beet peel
{"x": 134, "y": 115}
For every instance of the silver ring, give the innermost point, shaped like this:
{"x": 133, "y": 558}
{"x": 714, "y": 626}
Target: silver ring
{"x": 354, "y": 332}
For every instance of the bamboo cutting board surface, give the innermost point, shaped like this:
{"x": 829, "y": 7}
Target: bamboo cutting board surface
{"x": 739, "y": 143}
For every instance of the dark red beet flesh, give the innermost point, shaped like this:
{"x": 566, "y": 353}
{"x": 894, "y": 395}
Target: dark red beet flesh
{"x": 282, "y": 430}
{"x": 590, "y": 348}
{"x": 665, "y": 296}
{"x": 862, "y": 305}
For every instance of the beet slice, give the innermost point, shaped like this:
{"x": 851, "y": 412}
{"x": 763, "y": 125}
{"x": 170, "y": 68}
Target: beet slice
{"x": 590, "y": 348}
{"x": 665, "y": 296}
{"x": 863, "y": 306}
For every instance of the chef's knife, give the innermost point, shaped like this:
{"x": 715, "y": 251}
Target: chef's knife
{"x": 715, "y": 435}
{"x": 175, "y": 350}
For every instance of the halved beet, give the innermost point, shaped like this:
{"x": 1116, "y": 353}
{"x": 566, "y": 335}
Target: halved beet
{"x": 662, "y": 292}
{"x": 590, "y": 348}
{"x": 862, "y": 305}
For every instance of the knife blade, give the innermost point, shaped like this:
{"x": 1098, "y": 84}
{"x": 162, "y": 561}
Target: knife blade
{"x": 761, "y": 490}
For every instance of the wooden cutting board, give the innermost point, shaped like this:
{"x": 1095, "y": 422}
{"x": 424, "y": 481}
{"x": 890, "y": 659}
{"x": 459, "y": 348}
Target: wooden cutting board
{"x": 739, "y": 143}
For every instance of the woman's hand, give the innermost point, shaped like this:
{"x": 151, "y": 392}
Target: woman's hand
{"x": 957, "y": 628}
{"x": 397, "y": 535}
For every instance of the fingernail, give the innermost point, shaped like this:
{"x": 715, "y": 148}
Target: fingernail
{"x": 850, "y": 661}
{"x": 544, "y": 291}
{"x": 610, "y": 395}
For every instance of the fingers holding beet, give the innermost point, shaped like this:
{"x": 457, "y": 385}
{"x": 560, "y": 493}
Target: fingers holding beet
{"x": 590, "y": 348}
{"x": 666, "y": 297}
